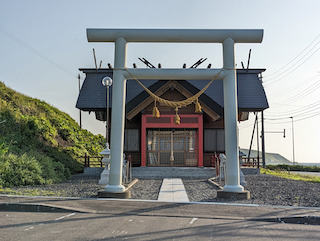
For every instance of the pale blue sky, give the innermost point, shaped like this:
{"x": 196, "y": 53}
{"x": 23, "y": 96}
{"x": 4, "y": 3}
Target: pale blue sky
{"x": 43, "y": 43}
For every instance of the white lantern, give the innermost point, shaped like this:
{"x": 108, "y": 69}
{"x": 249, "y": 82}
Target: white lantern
{"x": 104, "y": 177}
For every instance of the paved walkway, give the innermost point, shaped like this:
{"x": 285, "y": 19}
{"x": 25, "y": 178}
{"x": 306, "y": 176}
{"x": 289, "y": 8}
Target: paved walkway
{"x": 173, "y": 190}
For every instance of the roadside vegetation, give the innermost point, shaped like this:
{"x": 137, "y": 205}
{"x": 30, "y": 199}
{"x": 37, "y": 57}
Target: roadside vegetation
{"x": 297, "y": 168}
{"x": 284, "y": 171}
{"x": 40, "y": 144}
{"x": 30, "y": 192}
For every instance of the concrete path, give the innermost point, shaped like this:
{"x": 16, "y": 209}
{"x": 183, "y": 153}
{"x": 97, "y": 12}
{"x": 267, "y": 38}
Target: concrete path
{"x": 172, "y": 190}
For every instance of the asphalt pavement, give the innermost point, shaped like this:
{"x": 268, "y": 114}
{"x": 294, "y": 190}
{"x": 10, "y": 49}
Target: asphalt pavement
{"x": 308, "y": 173}
{"x": 46, "y": 218}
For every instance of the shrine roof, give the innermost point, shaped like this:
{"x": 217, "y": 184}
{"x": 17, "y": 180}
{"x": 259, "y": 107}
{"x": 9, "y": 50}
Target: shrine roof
{"x": 251, "y": 94}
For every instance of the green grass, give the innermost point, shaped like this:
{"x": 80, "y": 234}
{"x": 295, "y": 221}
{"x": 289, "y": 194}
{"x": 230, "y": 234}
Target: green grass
{"x": 294, "y": 168}
{"x": 30, "y": 192}
{"x": 292, "y": 176}
{"x": 40, "y": 144}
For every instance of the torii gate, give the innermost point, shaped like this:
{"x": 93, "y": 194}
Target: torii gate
{"x": 228, "y": 38}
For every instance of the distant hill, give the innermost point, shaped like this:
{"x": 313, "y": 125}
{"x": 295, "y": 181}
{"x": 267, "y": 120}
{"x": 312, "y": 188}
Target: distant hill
{"x": 38, "y": 138}
{"x": 271, "y": 158}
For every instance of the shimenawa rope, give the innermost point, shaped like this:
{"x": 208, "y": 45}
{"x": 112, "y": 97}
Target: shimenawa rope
{"x": 175, "y": 104}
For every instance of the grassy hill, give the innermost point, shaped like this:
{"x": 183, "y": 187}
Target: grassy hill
{"x": 38, "y": 143}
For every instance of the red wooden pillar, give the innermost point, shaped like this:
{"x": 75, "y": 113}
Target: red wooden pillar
{"x": 200, "y": 141}
{"x": 143, "y": 141}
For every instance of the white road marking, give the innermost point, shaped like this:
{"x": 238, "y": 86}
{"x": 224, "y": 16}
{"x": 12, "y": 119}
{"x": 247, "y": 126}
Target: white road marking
{"x": 66, "y": 216}
{"x": 28, "y": 228}
{"x": 193, "y": 220}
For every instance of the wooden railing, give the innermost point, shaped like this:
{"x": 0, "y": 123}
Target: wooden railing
{"x": 247, "y": 162}
{"x": 92, "y": 161}
{"x": 96, "y": 161}
{"x": 252, "y": 162}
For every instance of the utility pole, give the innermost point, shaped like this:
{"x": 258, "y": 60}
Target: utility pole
{"x": 293, "y": 157}
{"x": 80, "y": 109}
{"x": 262, "y": 142}
{"x": 258, "y": 154}
{"x": 254, "y": 127}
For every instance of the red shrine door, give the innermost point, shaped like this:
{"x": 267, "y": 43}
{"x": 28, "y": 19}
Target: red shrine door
{"x": 164, "y": 143}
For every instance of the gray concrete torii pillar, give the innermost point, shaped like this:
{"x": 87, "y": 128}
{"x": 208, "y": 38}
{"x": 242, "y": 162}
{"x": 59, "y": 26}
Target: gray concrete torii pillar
{"x": 228, "y": 38}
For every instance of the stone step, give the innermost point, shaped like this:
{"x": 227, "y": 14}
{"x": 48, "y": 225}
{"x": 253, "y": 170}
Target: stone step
{"x": 172, "y": 172}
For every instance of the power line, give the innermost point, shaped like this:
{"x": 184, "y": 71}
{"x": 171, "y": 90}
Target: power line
{"x": 38, "y": 53}
{"x": 247, "y": 124}
{"x": 301, "y": 94}
{"x": 289, "y": 89}
{"x": 296, "y": 58}
{"x": 313, "y": 106}
{"x": 267, "y": 84}
{"x": 296, "y": 114}
{"x": 310, "y": 115}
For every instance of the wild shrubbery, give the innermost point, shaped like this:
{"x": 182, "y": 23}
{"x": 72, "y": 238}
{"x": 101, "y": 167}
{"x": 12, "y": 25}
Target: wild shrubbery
{"x": 38, "y": 143}
{"x": 290, "y": 175}
{"x": 30, "y": 169}
{"x": 20, "y": 170}
{"x": 296, "y": 168}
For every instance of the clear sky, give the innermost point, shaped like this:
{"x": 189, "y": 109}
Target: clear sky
{"x": 43, "y": 44}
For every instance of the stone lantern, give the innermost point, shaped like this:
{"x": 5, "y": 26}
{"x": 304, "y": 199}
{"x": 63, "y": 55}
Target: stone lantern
{"x": 104, "y": 177}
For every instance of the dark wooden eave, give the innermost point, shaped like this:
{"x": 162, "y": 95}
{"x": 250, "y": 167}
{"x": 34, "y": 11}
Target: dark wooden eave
{"x": 142, "y": 100}
{"x": 251, "y": 94}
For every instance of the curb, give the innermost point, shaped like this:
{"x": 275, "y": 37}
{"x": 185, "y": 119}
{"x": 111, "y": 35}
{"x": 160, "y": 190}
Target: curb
{"x": 23, "y": 207}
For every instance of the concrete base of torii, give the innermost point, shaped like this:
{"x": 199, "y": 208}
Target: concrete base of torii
{"x": 119, "y": 195}
{"x": 244, "y": 195}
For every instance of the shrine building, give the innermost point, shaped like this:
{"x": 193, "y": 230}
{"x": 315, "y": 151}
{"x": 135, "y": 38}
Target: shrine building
{"x": 153, "y": 141}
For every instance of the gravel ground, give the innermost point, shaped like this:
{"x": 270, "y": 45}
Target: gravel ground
{"x": 264, "y": 189}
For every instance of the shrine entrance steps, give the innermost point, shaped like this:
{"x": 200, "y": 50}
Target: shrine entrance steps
{"x": 173, "y": 172}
